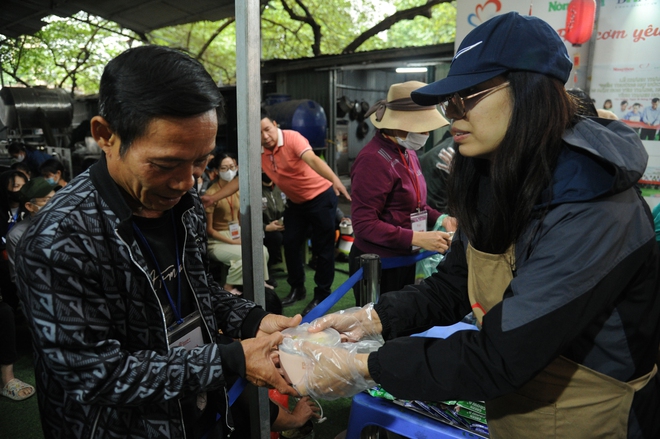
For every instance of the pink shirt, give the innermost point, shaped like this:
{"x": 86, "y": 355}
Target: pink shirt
{"x": 285, "y": 166}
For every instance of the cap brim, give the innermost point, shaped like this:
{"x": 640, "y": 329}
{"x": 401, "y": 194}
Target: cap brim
{"x": 438, "y": 91}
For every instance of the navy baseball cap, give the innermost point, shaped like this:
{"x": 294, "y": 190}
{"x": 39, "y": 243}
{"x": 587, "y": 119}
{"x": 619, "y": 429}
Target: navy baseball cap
{"x": 504, "y": 43}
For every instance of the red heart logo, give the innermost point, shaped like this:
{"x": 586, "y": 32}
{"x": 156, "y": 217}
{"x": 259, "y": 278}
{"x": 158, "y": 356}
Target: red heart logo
{"x": 489, "y": 13}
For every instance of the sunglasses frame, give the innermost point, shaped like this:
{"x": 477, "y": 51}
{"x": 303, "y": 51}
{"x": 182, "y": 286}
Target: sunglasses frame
{"x": 462, "y": 105}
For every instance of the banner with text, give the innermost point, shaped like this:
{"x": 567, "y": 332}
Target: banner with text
{"x": 626, "y": 74}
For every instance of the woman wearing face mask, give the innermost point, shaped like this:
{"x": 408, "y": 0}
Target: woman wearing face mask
{"x": 10, "y": 214}
{"x": 223, "y": 224}
{"x": 389, "y": 211}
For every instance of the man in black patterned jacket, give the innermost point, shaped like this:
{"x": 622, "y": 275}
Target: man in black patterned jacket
{"x": 113, "y": 272}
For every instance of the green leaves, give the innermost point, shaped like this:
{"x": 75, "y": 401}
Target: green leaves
{"x": 72, "y": 52}
{"x": 68, "y": 52}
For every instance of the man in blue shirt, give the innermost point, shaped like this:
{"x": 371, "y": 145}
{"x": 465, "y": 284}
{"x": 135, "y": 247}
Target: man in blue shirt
{"x": 650, "y": 116}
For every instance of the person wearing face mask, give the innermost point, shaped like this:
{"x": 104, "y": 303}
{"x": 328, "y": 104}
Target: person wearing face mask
{"x": 10, "y": 215}
{"x": 53, "y": 171}
{"x": 389, "y": 210}
{"x": 32, "y": 157}
{"x": 223, "y": 224}
{"x": 33, "y": 196}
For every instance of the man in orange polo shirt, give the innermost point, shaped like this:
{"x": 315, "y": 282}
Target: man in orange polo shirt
{"x": 311, "y": 188}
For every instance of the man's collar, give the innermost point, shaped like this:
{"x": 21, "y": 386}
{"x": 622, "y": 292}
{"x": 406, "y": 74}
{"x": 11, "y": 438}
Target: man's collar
{"x": 280, "y": 137}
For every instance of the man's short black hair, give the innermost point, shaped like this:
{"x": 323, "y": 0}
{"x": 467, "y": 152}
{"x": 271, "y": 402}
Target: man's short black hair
{"x": 20, "y": 166}
{"x": 51, "y": 166}
{"x": 654, "y": 100}
{"x": 15, "y": 148}
{"x": 265, "y": 114}
{"x": 146, "y": 82}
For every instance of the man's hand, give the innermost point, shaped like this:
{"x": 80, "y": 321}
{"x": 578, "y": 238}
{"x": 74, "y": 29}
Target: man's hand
{"x": 229, "y": 189}
{"x": 304, "y": 410}
{"x": 207, "y": 200}
{"x": 274, "y": 226}
{"x": 353, "y": 324}
{"x": 339, "y": 188}
{"x": 322, "y": 168}
{"x": 260, "y": 369}
{"x": 276, "y": 323}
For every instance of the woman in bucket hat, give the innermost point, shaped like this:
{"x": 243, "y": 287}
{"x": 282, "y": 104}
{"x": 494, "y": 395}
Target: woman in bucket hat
{"x": 389, "y": 212}
{"x": 555, "y": 254}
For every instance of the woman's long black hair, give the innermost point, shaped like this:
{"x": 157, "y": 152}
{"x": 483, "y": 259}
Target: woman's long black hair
{"x": 519, "y": 170}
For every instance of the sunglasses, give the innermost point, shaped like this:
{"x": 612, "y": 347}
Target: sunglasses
{"x": 456, "y": 106}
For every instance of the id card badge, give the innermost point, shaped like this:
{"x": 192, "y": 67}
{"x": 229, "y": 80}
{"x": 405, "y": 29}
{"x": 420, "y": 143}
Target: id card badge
{"x": 418, "y": 221}
{"x": 188, "y": 334}
{"x": 234, "y": 230}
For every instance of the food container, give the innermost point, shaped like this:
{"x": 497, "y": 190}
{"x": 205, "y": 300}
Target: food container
{"x": 291, "y": 359}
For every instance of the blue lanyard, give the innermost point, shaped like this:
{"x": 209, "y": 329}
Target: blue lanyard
{"x": 176, "y": 309}
{"x": 13, "y": 219}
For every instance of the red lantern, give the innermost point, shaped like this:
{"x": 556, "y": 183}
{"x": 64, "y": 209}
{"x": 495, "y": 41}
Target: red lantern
{"x": 580, "y": 18}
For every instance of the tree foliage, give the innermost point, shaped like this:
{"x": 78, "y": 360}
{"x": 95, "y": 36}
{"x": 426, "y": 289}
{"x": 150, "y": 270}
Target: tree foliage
{"x": 68, "y": 53}
{"x": 71, "y": 52}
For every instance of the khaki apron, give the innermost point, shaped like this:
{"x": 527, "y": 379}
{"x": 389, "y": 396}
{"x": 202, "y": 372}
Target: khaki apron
{"x": 566, "y": 399}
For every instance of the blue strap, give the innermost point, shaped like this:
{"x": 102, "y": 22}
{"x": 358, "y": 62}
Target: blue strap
{"x": 236, "y": 390}
{"x": 402, "y": 261}
{"x": 333, "y": 298}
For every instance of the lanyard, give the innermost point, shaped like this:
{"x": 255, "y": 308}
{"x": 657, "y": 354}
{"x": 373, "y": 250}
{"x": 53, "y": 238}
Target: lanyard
{"x": 13, "y": 219}
{"x": 231, "y": 208}
{"x": 413, "y": 177}
{"x": 176, "y": 309}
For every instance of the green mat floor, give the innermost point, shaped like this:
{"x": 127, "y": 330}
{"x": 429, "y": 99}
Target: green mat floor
{"x": 20, "y": 420}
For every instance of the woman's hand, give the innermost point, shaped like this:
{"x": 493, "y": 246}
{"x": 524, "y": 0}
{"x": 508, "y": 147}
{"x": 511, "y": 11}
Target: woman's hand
{"x": 353, "y": 324}
{"x": 450, "y": 223}
{"x": 432, "y": 241}
{"x": 333, "y": 372}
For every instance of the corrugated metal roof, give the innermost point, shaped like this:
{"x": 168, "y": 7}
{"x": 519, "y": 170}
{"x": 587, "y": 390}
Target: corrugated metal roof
{"x": 21, "y": 17}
